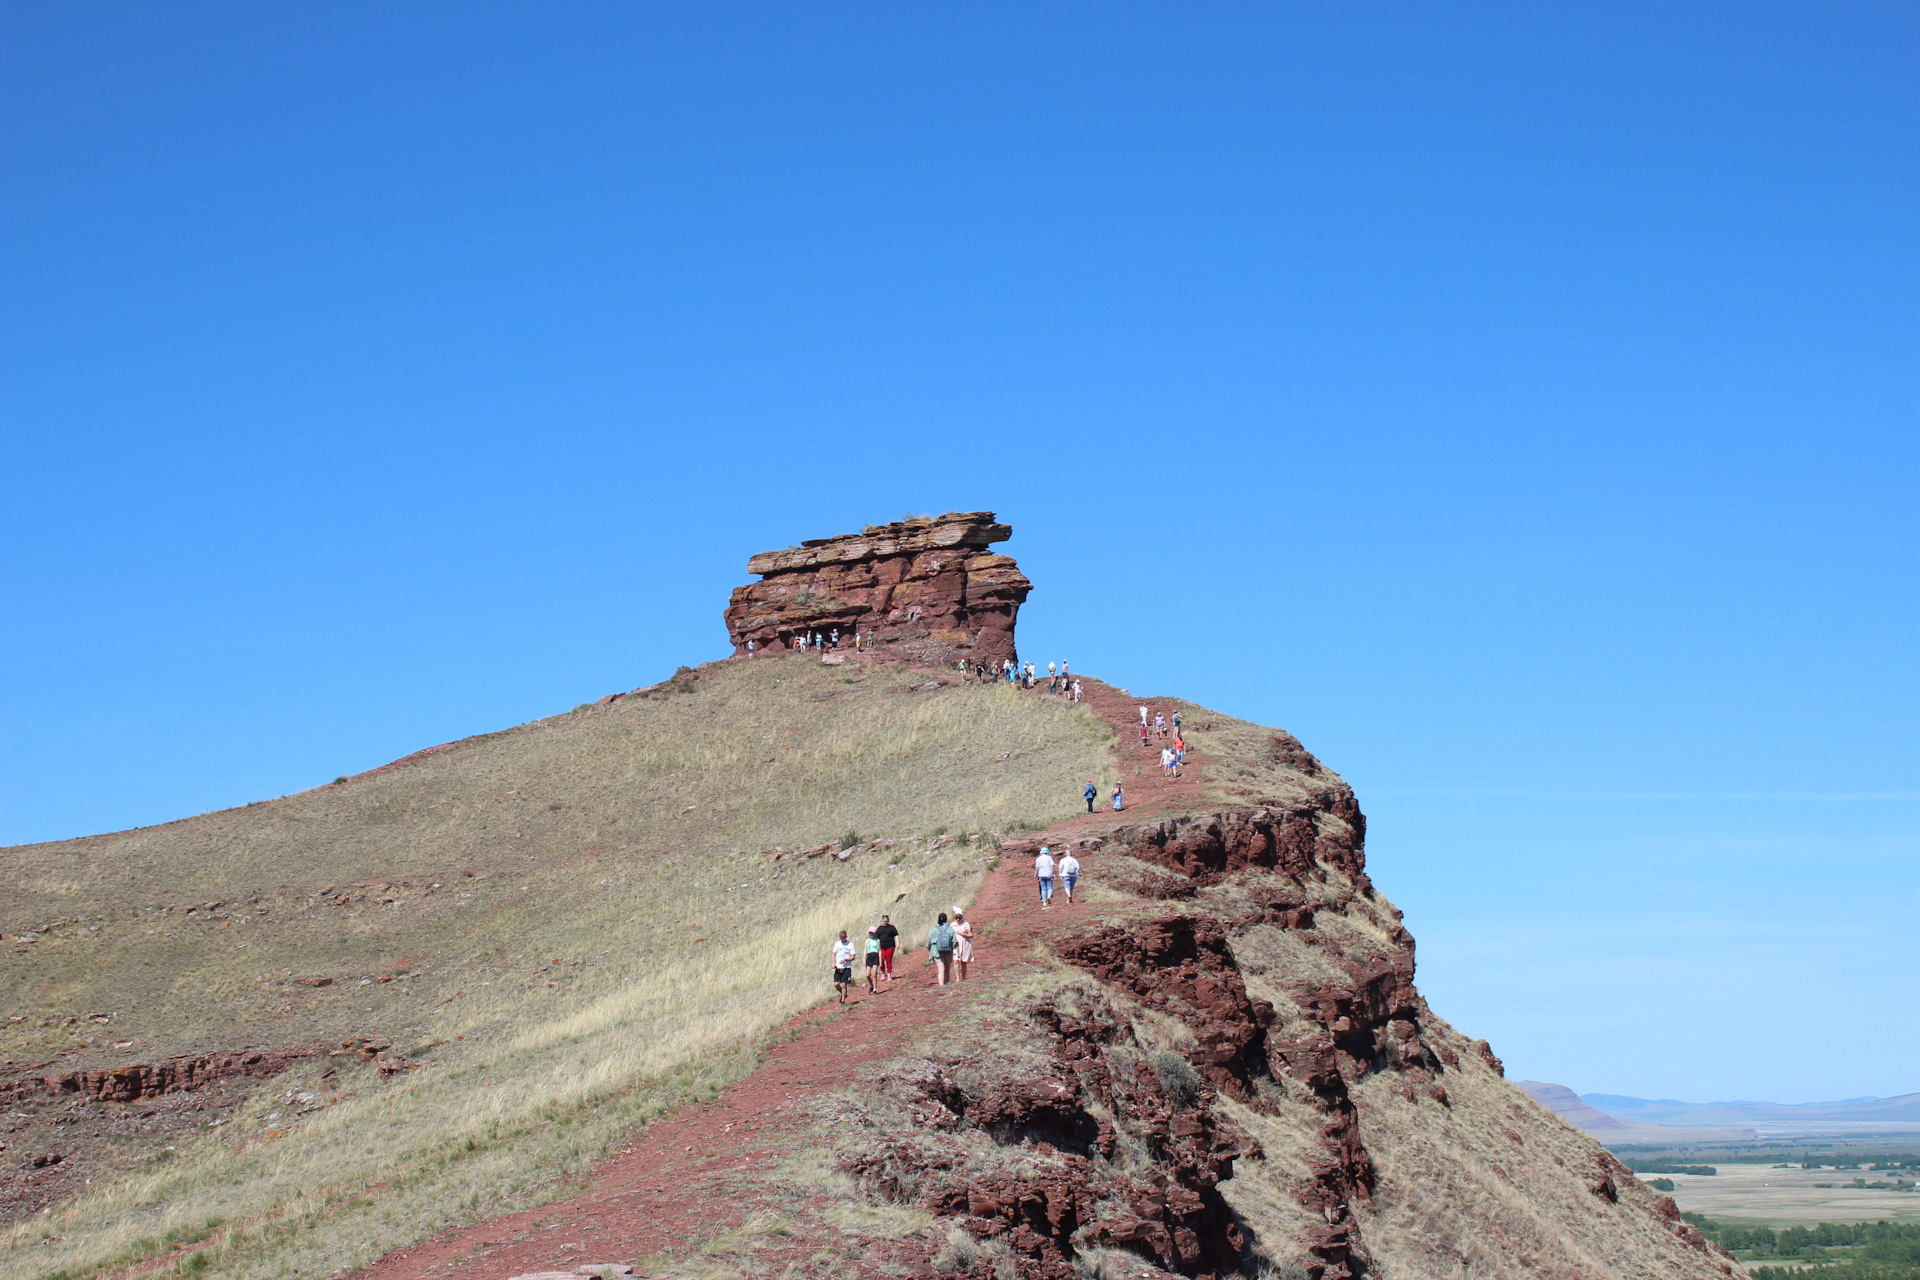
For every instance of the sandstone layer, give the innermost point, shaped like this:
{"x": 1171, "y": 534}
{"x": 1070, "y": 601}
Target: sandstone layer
{"x": 924, "y": 589}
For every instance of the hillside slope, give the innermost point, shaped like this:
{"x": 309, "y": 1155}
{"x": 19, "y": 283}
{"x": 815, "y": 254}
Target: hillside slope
{"x": 1216, "y": 1063}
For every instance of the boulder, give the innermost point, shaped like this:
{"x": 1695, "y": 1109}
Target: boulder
{"x": 924, "y": 589}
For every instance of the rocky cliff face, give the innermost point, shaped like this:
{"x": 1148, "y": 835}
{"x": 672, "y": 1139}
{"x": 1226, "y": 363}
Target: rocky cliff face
{"x": 1233, "y": 1074}
{"x": 926, "y": 589}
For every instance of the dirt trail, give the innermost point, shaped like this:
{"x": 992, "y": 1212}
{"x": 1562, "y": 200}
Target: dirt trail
{"x": 699, "y": 1173}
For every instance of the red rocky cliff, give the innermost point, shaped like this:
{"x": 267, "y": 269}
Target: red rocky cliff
{"x": 928, "y": 589}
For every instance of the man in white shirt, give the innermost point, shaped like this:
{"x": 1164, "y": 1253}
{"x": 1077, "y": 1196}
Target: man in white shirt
{"x": 1068, "y": 869}
{"x": 842, "y": 966}
{"x": 1043, "y": 868}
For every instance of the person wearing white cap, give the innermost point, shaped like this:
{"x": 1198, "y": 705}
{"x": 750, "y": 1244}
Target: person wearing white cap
{"x": 962, "y": 943}
{"x": 1069, "y": 870}
{"x": 1043, "y": 868}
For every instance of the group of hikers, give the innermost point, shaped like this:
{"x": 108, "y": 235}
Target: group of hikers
{"x": 818, "y": 640}
{"x": 949, "y": 948}
{"x": 1025, "y": 677}
{"x": 949, "y": 942}
{"x": 1174, "y": 753}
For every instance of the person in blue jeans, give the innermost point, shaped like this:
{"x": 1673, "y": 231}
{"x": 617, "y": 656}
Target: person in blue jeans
{"x": 1043, "y": 868}
{"x": 1068, "y": 869}
{"x": 1092, "y": 793}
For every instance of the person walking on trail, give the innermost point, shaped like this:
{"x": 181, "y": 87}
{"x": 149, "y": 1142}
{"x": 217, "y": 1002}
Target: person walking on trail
{"x": 1143, "y": 719}
{"x": 842, "y": 966}
{"x": 1166, "y": 761}
{"x": 1068, "y": 869}
{"x": 1143, "y": 731}
{"x": 873, "y": 958}
{"x": 1076, "y": 691}
{"x": 1176, "y": 724}
{"x": 1092, "y": 793}
{"x": 1053, "y": 678}
{"x": 1118, "y": 802}
{"x": 1160, "y": 724}
{"x": 940, "y": 950}
{"x": 962, "y": 944}
{"x": 889, "y": 938}
{"x": 1043, "y": 868}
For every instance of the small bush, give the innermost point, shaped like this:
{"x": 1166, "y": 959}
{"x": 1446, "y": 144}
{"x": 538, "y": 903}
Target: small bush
{"x": 1178, "y": 1075}
{"x": 340, "y": 781}
{"x": 852, "y": 838}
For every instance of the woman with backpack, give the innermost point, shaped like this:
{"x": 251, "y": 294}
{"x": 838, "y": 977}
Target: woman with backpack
{"x": 940, "y": 944}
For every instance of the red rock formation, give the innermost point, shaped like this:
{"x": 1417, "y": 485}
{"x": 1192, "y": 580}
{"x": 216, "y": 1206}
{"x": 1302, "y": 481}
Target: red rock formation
{"x": 926, "y": 589}
{"x": 151, "y": 1080}
{"x": 1057, "y": 1181}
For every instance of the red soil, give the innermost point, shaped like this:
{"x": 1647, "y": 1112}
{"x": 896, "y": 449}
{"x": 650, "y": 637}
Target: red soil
{"x": 683, "y": 1180}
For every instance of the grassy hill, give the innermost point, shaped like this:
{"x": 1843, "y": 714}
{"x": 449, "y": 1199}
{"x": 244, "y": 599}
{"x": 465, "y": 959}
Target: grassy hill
{"x": 577, "y": 922}
{"x": 461, "y": 1005}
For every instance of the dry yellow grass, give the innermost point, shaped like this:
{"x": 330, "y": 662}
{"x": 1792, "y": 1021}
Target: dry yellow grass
{"x": 589, "y": 925}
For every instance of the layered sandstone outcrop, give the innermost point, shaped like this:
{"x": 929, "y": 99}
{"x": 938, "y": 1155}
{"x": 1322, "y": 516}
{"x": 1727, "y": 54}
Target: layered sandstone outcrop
{"x": 925, "y": 589}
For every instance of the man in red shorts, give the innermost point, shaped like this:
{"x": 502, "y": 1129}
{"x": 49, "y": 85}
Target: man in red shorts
{"x": 888, "y": 936}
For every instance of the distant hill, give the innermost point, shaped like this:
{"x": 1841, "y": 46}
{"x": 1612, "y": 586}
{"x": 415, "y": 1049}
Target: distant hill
{"x": 1852, "y": 1113}
{"x": 1613, "y": 1130}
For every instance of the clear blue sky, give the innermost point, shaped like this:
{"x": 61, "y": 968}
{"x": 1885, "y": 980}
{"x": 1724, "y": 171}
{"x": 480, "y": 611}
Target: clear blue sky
{"x": 1517, "y": 402}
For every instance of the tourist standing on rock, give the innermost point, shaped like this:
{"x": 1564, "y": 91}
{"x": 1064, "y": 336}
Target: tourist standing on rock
{"x": 1043, "y": 868}
{"x": 842, "y": 966}
{"x": 1118, "y": 803}
{"x": 1068, "y": 869}
{"x": 962, "y": 943}
{"x": 1092, "y": 793}
{"x": 749, "y": 648}
{"x": 940, "y": 950}
{"x": 889, "y": 938}
{"x": 873, "y": 958}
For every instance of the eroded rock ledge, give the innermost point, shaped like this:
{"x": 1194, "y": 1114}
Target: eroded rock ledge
{"x": 925, "y": 589}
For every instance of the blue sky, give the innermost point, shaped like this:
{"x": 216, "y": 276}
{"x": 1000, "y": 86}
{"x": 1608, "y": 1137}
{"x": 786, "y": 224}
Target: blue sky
{"x": 1517, "y": 402}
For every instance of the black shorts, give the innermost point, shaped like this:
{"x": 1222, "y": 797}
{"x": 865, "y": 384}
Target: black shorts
{"x": 843, "y": 975}
{"x": 873, "y": 959}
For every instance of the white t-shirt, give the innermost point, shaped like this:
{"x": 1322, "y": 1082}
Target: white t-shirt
{"x": 842, "y": 955}
{"x": 1043, "y": 866}
{"x": 1166, "y": 756}
{"x": 1069, "y": 865}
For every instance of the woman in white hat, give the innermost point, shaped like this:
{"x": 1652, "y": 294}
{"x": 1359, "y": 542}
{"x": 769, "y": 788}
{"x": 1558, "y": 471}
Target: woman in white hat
{"x": 963, "y": 943}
